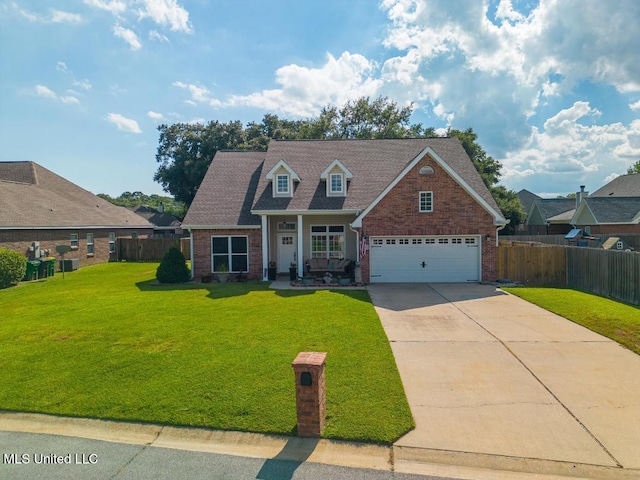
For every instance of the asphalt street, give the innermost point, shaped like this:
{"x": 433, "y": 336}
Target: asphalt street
{"x": 38, "y": 456}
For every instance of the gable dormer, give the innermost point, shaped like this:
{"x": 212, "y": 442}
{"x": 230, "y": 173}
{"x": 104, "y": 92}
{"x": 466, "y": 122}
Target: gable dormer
{"x": 282, "y": 177}
{"x": 336, "y": 176}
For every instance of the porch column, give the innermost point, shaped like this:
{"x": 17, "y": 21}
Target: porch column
{"x": 300, "y": 259}
{"x": 265, "y": 247}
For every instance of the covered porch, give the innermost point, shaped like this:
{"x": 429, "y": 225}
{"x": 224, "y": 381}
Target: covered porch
{"x": 291, "y": 240}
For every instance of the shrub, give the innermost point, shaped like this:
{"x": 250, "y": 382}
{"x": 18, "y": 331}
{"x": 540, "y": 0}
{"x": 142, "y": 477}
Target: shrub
{"x": 12, "y": 267}
{"x": 173, "y": 268}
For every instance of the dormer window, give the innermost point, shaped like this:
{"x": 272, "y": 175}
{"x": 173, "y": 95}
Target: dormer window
{"x": 336, "y": 183}
{"x": 282, "y": 177}
{"x": 282, "y": 184}
{"x": 336, "y": 176}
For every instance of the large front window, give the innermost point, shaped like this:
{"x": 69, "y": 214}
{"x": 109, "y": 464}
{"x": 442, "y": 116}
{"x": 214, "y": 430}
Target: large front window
{"x": 327, "y": 241}
{"x": 229, "y": 254}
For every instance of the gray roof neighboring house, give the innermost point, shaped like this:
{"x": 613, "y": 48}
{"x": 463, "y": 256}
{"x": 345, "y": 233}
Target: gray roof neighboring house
{"x": 160, "y": 220}
{"x": 545, "y": 209}
{"x": 236, "y": 189}
{"x": 608, "y": 210}
{"x": 33, "y": 197}
{"x": 622, "y": 186}
{"x": 527, "y": 198}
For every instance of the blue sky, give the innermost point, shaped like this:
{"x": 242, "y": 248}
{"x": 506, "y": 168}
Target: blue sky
{"x": 551, "y": 87}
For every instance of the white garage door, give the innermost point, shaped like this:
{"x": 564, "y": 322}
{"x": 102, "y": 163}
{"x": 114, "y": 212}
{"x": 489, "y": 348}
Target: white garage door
{"x": 425, "y": 259}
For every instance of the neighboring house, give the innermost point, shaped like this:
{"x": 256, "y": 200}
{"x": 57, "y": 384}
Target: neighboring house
{"x": 39, "y": 210}
{"x": 608, "y": 215}
{"x": 612, "y": 209}
{"x": 526, "y": 199}
{"x": 409, "y": 210}
{"x": 164, "y": 224}
{"x": 551, "y": 216}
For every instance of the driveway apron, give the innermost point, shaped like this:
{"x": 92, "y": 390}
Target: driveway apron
{"x": 489, "y": 376}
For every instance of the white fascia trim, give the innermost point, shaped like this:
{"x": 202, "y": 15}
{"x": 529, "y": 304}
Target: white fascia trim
{"x": 305, "y": 212}
{"x": 347, "y": 173}
{"x": 497, "y": 218}
{"x": 282, "y": 164}
{"x": 221, "y": 227}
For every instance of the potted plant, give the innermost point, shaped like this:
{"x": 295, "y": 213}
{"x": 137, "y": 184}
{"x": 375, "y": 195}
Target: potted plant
{"x": 272, "y": 270}
{"x": 223, "y": 273}
{"x": 293, "y": 271}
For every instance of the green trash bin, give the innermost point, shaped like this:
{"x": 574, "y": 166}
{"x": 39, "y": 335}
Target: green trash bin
{"x": 43, "y": 269}
{"x": 32, "y": 270}
{"x": 52, "y": 267}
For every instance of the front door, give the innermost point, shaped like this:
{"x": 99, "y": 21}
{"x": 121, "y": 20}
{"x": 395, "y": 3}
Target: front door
{"x": 287, "y": 243}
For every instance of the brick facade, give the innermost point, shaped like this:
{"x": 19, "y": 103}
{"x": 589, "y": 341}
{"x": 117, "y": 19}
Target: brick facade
{"x": 21, "y": 240}
{"x": 202, "y": 250}
{"x": 455, "y": 212}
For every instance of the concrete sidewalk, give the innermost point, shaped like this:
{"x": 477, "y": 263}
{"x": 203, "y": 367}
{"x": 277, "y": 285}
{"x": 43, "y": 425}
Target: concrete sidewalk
{"x": 496, "y": 382}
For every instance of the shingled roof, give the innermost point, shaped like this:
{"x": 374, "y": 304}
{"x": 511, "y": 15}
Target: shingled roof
{"x": 33, "y": 197}
{"x": 227, "y": 191}
{"x": 622, "y": 186}
{"x": 625, "y": 210}
{"x": 236, "y": 183}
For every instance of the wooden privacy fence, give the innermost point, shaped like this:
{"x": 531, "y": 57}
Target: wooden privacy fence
{"x": 145, "y": 249}
{"x": 609, "y": 273}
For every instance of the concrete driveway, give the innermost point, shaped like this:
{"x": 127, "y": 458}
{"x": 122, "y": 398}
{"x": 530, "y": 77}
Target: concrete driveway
{"x": 496, "y": 382}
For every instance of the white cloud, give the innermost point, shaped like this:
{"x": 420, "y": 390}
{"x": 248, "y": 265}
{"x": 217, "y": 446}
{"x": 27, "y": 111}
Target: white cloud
{"x": 84, "y": 84}
{"x": 45, "y": 92}
{"x": 166, "y": 13}
{"x": 304, "y": 91}
{"x": 635, "y": 106}
{"x": 199, "y": 94}
{"x": 69, "y": 99}
{"x": 155, "y": 115}
{"x": 128, "y": 36}
{"x": 62, "y": 67}
{"x": 570, "y": 151}
{"x": 54, "y": 16}
{"x": 114, "y": 6}
{"x": 123, "y": 123}
{"x": 491, "y": 73}
{"x": 58, "y": 16}
{"x": 155, "y": 35}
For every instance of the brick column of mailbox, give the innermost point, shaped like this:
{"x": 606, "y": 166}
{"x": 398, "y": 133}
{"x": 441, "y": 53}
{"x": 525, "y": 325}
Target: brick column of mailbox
{"x": 310, "y": 400}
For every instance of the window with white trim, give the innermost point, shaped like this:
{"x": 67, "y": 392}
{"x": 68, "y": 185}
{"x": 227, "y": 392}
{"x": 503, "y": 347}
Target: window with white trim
{"x": 336, "y": 183}
{"x": 73, "y": 240}
{"x": 327, "y": 241}
{"x": 282, "y": 184}
{"x": 470, "y": 241}
{"x": 429, "y": 241}
{"x": 229, "y": 253}
{"x": 90, "y": 249}
{"x": 112, "y": 242}
{"x": 377, "y": 241}
{"x": 443, "y": 240}
{"x": 416, "y": 241}
{"x": 426, "y": 202}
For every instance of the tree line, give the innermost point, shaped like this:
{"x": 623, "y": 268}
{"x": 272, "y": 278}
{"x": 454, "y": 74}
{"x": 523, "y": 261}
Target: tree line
{"x": 185, "y": 150}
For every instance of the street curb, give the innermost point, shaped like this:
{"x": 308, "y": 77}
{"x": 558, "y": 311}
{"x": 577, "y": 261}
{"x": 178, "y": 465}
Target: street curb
{"x": 489, "y": 462}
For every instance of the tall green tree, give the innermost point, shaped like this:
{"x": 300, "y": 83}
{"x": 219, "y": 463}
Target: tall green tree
{"x": 635, "y": 168}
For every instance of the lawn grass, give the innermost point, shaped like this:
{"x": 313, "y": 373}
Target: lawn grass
{"x": 105, "y": 343}
{"x": 614, "y": 320}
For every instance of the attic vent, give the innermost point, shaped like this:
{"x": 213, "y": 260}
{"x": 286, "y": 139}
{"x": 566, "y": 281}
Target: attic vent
{"x": 426, "y": 171}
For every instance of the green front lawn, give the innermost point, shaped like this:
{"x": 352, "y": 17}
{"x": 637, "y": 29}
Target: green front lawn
{"x": 105, "y": 343}
{"x": 612, "y": 319}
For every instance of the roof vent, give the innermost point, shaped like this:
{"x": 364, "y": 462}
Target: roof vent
{"x": 426, "y": 171}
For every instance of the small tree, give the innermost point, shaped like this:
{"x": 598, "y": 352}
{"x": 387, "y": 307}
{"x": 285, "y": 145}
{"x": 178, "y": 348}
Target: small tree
{"x": 12, "y": 267}
{"x": 173, "y": 268}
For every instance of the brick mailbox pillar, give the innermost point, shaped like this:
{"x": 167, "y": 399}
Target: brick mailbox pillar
{"x": 310, "y": 392}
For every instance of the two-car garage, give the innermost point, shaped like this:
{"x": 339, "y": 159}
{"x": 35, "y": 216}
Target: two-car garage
{"x": 397, "y": 259}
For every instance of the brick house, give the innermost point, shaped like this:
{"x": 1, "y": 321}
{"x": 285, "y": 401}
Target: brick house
{"x": 39, "y": 210}
{"x": 408, "y": 210}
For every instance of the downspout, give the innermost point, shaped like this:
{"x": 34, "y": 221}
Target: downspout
{"x": 357, "y": 242}
{"x": 191, "y": 252}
